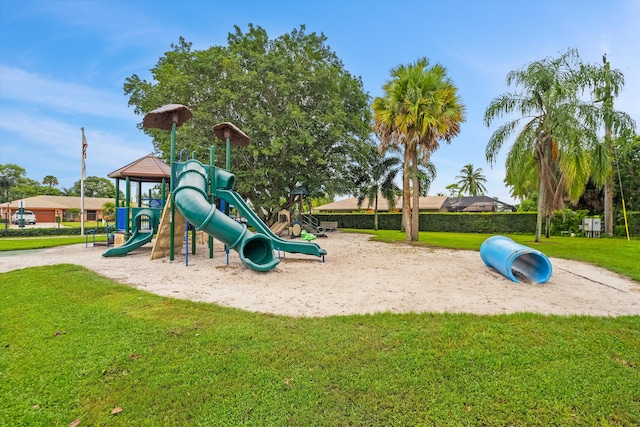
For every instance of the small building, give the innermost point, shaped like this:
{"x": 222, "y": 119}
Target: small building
{"x": 67, "y": 208}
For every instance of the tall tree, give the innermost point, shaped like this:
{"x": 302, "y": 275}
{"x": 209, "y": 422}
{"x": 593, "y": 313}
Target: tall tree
{"x": 10, "y": 176}
{"x": 454, "y": 190}
{"x": 374, "y": 177}
{"x": 50, "y": 180}
{"x": 627, "y": 177}
{"x": 556, "y": 133}
{"x": 420, "y": 107}
{"x": 471, "y": 181}
{"x": 608, "y": 83}
{"x": 94, "y": 187}
{"x": 306, "y": 115}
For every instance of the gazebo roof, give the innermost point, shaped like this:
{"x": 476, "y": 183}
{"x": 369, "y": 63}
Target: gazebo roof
{"x": 146, "y": 169}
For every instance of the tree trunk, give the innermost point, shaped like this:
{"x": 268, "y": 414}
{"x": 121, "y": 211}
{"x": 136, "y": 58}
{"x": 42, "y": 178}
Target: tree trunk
{"x": 375, "y": 214}
{"x": 406, "y": 194}
{"x": 547, "y": 225}
{"x": 608, "y": 205}
{"x": 541, "y": 200}
{"x": 415, "y": 208}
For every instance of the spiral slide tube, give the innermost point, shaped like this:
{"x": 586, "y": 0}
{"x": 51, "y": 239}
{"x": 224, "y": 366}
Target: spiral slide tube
{"x": 190, "y": 197}
{"x": 516, "y": 262}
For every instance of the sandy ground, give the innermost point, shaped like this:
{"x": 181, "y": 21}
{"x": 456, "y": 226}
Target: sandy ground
{"x": 358, "y": 276}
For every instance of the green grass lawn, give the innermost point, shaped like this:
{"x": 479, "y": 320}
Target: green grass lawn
{"x": 75, "y": 346}
{"x": 22, "y": 243}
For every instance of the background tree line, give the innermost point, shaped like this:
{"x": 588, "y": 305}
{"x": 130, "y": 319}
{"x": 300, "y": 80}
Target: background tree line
{"x": 14, "y": 185}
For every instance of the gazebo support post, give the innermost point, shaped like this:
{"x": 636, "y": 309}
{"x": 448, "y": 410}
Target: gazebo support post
{"x": 128, "y": 206}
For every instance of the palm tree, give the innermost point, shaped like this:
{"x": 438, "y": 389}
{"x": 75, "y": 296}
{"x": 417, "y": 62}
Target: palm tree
{"x": 377, "y": 177}
{"x": 420, "y": 107}
{"x": 50, "y": 180}
{"x": 608, "y": 84}
{"x": 426, "y": 176}
{"x": 556, "y": 133}
{"x": 471, "y": 181}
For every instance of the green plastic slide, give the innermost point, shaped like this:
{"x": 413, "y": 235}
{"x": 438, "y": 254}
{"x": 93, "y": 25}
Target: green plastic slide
{"x": 307, "y": 248}
{"x": 191, "y": 199}
{"x": 139, "y": 237}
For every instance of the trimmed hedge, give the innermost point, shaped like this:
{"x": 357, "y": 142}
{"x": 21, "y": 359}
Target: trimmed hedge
{"x": 633, "y": 220}
{"x": 37, "y": 232}
{"x": 486, "y": 222}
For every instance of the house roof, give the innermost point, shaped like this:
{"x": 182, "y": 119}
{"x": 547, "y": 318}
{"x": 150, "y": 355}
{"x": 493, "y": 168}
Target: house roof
{"x": 429, "y": 203}
{"x": 476, "y": 204}
{"x": 59, "y": 202}
{"x": 146, "y": 169}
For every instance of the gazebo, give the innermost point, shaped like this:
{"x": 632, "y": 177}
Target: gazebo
{"x": 147, "y": 169}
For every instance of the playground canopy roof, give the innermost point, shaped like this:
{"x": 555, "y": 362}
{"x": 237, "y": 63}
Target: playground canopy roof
{"x": 163, "y": 117}
{"x": 229, "y": 130}
{"x": 146, "y": 169}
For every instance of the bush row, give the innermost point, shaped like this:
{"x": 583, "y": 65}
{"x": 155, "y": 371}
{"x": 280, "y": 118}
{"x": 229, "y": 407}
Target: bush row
{"x": 633, "y": 220}
{"x": 489, "y": 222}
{"x": 36, "y": 232}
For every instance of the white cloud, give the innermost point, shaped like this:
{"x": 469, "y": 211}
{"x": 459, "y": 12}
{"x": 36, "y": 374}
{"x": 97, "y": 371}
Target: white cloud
{"x": 49, "y": 146}
{"x": 64, "y": 97}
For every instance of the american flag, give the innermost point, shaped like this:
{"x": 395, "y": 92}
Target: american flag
{"x": 84, "y": 145}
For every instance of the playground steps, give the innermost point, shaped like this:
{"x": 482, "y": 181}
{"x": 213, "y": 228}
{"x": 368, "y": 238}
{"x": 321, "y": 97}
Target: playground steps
{"x": 161, "y": 246}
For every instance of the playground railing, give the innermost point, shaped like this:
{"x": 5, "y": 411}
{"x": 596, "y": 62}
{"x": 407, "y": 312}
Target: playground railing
{"x": 310, "y": 221}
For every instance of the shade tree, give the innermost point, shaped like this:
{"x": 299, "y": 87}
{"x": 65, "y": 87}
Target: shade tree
{"x": 306, "y": 115}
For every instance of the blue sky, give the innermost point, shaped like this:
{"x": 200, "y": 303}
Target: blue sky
{"x": 63, "y": 63}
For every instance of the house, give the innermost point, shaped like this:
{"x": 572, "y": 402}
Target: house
{"x": 476, "y": 204}
{"x": 427, "y": 204}
{"x": 47, "y": 208}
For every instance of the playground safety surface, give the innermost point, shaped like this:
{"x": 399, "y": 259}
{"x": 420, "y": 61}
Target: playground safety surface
{"x": 357, "y": 277}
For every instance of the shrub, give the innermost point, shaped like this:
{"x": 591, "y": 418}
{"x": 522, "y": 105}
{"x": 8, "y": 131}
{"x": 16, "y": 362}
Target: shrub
{"x": 37, "y": 232}
{"x": 486, "y": 222}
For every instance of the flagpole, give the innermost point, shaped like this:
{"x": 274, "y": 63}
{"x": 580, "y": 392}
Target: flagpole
{"x": 82, "y": 176}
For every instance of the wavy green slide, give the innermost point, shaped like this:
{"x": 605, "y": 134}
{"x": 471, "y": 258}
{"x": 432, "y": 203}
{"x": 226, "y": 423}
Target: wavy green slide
{"x": 139, "y": 238}
{"x": 191, "y": 199}
{"x": 307, "y": 248}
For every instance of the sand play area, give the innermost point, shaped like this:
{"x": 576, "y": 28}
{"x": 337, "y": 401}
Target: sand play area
{"x": 358, "y": 276}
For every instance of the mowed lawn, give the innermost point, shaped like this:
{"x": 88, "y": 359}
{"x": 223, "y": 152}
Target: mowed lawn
{"x": 76, "y": 347}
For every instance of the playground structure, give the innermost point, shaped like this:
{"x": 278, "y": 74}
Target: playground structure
{"x": 516, "y": 262}
{"x": 194, "y": 189}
